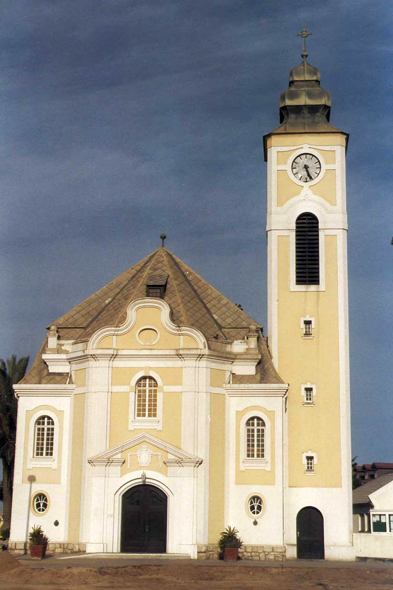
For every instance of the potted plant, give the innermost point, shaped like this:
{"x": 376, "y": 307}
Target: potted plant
{"x": 38, "y": 542}
{"x": 230, "y": 543}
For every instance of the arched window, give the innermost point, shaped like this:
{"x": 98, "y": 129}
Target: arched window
{"x": 44, "y": 437}
{"x": 146, "y": 398}
{"x": 255, "y": 436}
{"x": 307, "y": 249}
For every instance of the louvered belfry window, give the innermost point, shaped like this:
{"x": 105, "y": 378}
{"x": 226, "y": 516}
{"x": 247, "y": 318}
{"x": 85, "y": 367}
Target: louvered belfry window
{"x": 307, "y": 249}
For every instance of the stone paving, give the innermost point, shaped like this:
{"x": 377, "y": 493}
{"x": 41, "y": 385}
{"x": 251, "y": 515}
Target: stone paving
{"x": 121, "y": 560}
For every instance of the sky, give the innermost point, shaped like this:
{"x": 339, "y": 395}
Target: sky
{"x": 123, "y": 119}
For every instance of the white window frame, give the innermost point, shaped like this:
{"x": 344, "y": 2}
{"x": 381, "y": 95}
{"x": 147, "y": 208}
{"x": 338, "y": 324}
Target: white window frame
{"x": 43, "y": 461}
{"x": 246, "y": 463}
{"x": 304, "y": 387}
{"x": 304, "y": 461}
{"x": 303, "y": 320}
{"x": 387, "y": 514}
{"x": 135, "y": 423}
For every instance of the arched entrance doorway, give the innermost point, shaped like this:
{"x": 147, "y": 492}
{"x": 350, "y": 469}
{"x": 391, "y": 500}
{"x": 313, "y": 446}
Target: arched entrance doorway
{"x": 310, "y": 536}
{"x": 143, "y": 520}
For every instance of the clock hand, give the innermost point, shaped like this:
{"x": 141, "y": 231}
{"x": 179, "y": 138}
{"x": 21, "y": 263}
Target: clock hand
{"x": 308, "y": 171}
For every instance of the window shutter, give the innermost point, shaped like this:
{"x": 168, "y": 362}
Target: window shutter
{"x": 307, "y": 250}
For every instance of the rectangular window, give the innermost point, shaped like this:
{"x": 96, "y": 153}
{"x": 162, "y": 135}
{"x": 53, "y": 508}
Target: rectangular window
{"x": 308, "y": 395}
{"x": 309, "y": 463}
{"x": 155, "y": 292}
{"x": 44, "y": 437}
{"x": 146, "y": 398}
{"x": 307, "y": 328}
{"x": 391, "y": 523}
{"x": 379, "y": 523}
{"x": 255, "y": 432}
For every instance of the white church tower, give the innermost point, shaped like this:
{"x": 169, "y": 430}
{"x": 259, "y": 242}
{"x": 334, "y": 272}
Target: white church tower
{"x": 308, "y": 313}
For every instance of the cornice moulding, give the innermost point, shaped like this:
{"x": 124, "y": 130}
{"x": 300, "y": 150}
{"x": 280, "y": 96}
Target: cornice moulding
{"x": 256, "y": 390}
{"x": 44, "y": 390}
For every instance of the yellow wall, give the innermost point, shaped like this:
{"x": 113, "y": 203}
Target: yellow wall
{"x": 218, "y": 377}
{"x": 281, "y": 140}
{"x": 171, "y": 424}
{"x": 122, "y": 376}
{"x": 80, "y": 377}
{"x": 43, "y": 474}
{"x": 255, "y": 476}
{"x": 106, "y": 342}
{"x": 189, "y": 342}
{"x": 315, "y": 428}
{"x": 76, "y": 468}
{"x": 287, "y": 189}
{"x": 282, "y": 157}
{"x": 217, "y": 466}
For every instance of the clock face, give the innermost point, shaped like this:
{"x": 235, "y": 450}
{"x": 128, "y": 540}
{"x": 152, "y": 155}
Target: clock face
{"x": 306, "y": 167}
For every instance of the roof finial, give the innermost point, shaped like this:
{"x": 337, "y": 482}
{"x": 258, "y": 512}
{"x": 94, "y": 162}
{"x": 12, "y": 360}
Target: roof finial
{"x": 304, "y": 34}
{"x": 163, "y": 237}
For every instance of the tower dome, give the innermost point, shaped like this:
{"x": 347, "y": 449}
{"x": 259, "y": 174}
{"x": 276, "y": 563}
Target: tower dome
{"x": 305, "y": 103}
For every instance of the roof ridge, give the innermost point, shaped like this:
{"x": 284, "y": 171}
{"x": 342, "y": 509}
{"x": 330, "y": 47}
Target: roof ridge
{"x": 220, "y": 328}
{"x": 183, "y": 310}
{"x": 180, "y": 262}
{"x": 139, "y": 271}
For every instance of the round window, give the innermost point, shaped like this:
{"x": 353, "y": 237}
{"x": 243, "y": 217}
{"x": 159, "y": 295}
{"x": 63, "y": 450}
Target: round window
{"x": 255, "y": 506}
{"x": 148, "y": 335}
{"x": 40, "y": 503}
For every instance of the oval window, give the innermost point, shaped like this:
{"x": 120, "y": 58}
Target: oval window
{"x": 255, "y": 506}
{"x": 148, "y": 336}
{"x": 40, "y": 503}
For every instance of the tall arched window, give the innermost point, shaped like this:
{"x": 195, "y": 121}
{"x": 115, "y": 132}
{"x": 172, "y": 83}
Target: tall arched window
{"x": 44, "y": 437}
{"x": 146, "y": 398}
{"x": 307, "y": 249}
{"x": 255, "y": 436}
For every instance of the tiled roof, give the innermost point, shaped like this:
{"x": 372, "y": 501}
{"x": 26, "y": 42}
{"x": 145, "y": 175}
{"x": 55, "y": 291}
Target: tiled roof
{"x": 265, "y": 371}
{"x": 361, "y": 494}
{"x": 193, "y": 302}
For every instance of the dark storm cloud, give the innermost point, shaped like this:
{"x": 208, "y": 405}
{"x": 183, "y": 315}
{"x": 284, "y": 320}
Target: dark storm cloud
{"x": 123, "y": 119}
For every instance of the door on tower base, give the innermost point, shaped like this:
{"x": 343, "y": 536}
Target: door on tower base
{"x": 310, "y": 537}
{"x": 143, "y": 520}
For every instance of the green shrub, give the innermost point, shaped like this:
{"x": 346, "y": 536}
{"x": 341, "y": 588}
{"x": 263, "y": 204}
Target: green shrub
{"x": 37, "y": 537}
{"x": 4, "y": 534}
{"x": 229, "y": 539}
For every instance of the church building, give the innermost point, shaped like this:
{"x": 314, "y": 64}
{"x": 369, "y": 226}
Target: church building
{"x": 157, "y": 413}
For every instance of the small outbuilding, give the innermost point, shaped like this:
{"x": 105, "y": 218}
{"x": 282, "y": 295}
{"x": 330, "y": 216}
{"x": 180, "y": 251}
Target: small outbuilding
{"x": 373, "y": 518}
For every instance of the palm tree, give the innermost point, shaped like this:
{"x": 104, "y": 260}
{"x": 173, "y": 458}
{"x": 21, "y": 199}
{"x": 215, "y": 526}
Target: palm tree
{"x": 11, "y": 372}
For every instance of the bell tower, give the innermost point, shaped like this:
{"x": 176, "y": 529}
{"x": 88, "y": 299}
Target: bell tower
{"x": 308, "y": 311}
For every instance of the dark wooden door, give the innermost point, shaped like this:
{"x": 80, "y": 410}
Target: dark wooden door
{"x": 143, "y": 520}
{"x": 310, "y": 537}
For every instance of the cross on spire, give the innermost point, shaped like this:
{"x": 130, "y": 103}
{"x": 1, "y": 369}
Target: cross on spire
{"x": 304, "y": 34}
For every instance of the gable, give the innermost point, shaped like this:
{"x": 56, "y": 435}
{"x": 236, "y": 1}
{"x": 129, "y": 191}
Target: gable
{"x": 148, "y": 325}
{"x": 382, "y": 499}
{"x": 175, "y": 455}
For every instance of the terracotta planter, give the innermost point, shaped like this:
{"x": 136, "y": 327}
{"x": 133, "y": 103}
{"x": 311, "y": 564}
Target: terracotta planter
{"x": 231, "y": 553}
{"x": 37, "y": 551}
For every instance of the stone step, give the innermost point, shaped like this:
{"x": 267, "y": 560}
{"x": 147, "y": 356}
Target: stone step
{"x": 130, "y": 555}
